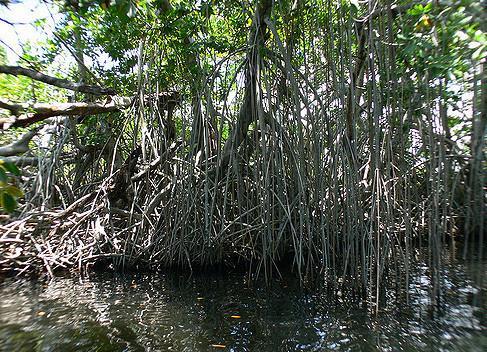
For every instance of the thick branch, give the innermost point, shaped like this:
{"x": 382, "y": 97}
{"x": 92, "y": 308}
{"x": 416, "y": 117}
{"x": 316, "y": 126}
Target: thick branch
{"x": 27, "y": 114}
{"x": 19, "y": 147}
{"x": 21, "y": 160}
{"x": 58, "y": 82}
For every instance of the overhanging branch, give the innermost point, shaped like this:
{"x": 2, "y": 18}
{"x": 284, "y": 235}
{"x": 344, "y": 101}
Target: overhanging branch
{"x": 27, "y": 114}
{"x": 58, "y": 82}
{"x": 21, "y": 160}
{"x": 20, "y": 146}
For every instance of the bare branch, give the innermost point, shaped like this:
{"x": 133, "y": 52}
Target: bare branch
{"x": 58, "y": 82}
{"x": 19, "y": 147}
{"x": 21, "y": 160}
{"x": 27, "y": 114}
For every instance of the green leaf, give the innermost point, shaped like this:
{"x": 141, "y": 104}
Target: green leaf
{"x": 12, "y": 168}
{"x": 478, "y": 54}
{"x": 416, "y": 10}
{"x": 428, "y": 7}
{"x": 3, "y": 174}
{"x": 453, "y": 121}
{"x": 8, "y": 202}
{"x": 14, "y": 191}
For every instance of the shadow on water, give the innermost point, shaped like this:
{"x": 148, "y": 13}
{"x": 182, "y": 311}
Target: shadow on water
{"x": 141, "y": 312}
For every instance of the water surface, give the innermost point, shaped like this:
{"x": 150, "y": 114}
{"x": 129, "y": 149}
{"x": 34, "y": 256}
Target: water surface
{"x": 141, "y": 312}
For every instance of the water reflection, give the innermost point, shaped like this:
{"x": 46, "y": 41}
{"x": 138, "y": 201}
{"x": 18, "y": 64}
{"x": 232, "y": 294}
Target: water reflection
{"x": 113, "y": 312}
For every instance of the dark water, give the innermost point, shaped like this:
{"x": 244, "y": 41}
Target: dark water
{"x": 114, "y": 312}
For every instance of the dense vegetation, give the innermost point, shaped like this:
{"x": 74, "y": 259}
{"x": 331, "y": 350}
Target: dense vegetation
{"x": 337, "y": 136}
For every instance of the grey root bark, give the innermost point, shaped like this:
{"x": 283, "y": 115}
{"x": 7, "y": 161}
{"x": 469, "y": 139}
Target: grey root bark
{"x": 192, "y": 61}
{"x": 357, "y": 78}
{"x": 120, "y": 190}
{"x": 354, "y": 93}
{"x": 246, "y": 113}
{"x": 477, "y": 147}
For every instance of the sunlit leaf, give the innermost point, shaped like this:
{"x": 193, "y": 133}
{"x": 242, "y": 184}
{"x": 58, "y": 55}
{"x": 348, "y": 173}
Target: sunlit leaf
{"x": 478, "y": 54}
{"x": 428, "y": 7}
{"x": 14, "y": 191}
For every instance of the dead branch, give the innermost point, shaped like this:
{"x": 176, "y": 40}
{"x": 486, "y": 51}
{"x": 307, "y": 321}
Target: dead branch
{"x": 20, "y": 146}
{"x": 58, "y": 82}
{"x": 27, "y": 114}
{"x": 22, "y": 160}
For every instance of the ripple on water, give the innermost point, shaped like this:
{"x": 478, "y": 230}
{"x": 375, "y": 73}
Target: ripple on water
{"x": 113, "y": 312}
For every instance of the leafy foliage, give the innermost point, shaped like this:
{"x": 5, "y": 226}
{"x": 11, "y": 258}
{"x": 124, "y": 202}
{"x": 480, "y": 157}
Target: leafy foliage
{"x": 9, "y": 192}
{"x": 442, "y": 40}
